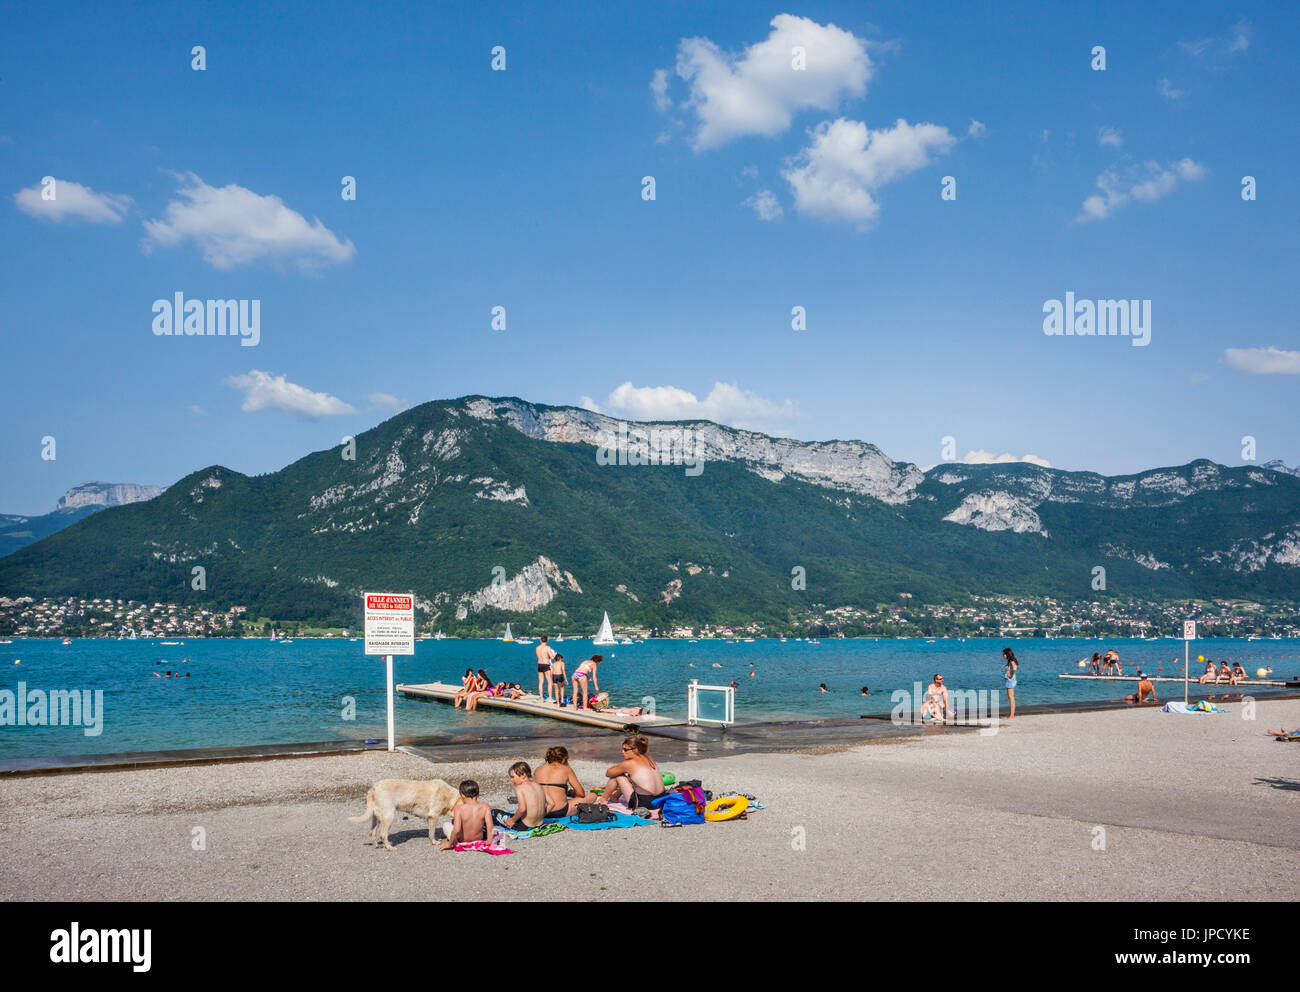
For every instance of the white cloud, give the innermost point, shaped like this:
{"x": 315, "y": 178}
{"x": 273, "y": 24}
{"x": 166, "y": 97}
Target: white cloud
{"x": 1236, "y": 40}
{"x": 587, "y": 403}
{"x": 765, "y": 205}
{"x": 1166, "y": 89}
{"x": 72, "y": 201}
{"x": 659, "y": 87}
{"x": 1264, "y": 361}
{"x": 1151, "y": 181}
{"x": 264, "y": 391}
{"x": 235, "y": 226}
{"x": 726, "y": 403}
{"x": 385, "y": 401}
{"x": 1110, "y": 136}
{"x": 977, "y": 129}
{"x": 197, "y": 410}
{"x": 758, "y": 91}
{"x": 835, "y": 176}
{"x": 982, "y": 457}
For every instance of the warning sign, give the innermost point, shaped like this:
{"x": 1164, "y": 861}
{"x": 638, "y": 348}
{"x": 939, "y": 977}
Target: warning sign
{"x": 390, "y": 623}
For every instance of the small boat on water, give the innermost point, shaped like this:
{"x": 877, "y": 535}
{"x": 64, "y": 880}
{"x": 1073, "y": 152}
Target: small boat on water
{"x": 606, "y": 633}
{"x": 67, "y": 640}
{"x": 170, "y": 644}
{"x": 507, "y": 637}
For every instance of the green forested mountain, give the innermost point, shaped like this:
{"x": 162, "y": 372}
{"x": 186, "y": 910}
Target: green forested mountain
{"x": 494, "y": 509}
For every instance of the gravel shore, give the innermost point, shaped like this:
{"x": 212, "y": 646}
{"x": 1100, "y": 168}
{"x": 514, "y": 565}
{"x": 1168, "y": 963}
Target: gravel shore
{"x": 1116, "y": 804}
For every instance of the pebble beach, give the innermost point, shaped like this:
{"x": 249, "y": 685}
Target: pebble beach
{"x": 1113, "y": 805}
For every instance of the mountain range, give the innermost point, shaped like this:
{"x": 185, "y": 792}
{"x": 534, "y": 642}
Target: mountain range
{"x": 492, "y": 509}
{"x": 18, "y": 531}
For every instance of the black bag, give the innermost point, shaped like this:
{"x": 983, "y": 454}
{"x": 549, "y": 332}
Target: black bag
{"x": 592, "y": 813}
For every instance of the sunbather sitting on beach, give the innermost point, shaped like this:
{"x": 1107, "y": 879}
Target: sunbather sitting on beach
{"x": 531, "y": 810}
{"x": 558, "y": 780}
{"x": 471, "y": 819}
{"x": 635, "y": 780}
{"x": 1283, "y": 732}
{"x": 936, "y": 700}
{"x": 1210, "y": 673}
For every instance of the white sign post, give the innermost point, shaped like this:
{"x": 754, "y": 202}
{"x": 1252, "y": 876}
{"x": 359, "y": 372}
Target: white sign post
{"x": 390, "y": 630}
{"x": 1189, "y": 635}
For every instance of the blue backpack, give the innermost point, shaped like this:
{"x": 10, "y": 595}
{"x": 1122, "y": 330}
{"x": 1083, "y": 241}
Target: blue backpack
{"x": 679, "y": 807}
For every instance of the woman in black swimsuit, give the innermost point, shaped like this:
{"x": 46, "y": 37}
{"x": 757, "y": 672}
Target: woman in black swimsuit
{"x": 563, "y": 790}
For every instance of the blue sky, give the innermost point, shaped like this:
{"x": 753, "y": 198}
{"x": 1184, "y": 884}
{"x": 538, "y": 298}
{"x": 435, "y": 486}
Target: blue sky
{"x": 774, "y": 188}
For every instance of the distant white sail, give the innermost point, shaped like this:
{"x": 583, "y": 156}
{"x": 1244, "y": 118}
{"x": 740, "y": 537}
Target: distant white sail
{"x": 508, "y": 636}
{"x": 606, "y": 633}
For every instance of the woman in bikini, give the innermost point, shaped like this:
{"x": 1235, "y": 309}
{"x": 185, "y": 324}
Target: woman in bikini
{"x": 1210, "y": 673}
{"x": 584, "y": 672}
{"x": 1096, "y": 663}
{"x": 561, "y": 785}
{"x": 482, "y": 687}
{"x": 936, "y": 700}
{"x": 466, "y": 686}
{"x": 557, "y": 678}
{"x": 636, "y": 780}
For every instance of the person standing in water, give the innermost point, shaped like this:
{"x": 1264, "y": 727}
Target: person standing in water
{"x": 1009, "y": 679}
{"x": 545, "y": 654}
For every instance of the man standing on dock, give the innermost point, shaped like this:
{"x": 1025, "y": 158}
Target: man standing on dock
{"x": 545, "y": 654}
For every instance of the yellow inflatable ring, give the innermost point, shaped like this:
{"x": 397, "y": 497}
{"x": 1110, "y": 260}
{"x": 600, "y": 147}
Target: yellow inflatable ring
{"x": 725, "y": 808}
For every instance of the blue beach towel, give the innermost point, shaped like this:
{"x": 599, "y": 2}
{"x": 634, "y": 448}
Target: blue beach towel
{"x": 620, "y": 820}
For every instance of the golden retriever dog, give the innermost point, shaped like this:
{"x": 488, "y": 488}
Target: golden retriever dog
{"x": 428, "y": 800}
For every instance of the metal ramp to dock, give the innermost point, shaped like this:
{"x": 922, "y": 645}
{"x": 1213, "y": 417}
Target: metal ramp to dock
{"x": 530, "y": 705}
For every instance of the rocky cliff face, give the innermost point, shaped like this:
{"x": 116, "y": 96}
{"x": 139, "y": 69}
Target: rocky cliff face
{"x": 850, "y": 466}
{"x": 106, "y": 494}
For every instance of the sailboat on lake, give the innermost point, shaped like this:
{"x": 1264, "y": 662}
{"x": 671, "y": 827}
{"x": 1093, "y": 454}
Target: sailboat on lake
{"x": 606, "y": 633}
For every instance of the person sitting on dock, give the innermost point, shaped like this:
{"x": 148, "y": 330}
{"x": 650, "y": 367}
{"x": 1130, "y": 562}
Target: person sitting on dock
{"x": 482, "y": 687}
{"x": 471, "y": 819}
{"x": 1225, "y": 674}
{"x": 545, "y": 656}
{"x": 1238, "y": 673}
{"x": 1210, "y": 673}
{"x": 586, "y": 671}
{"x": 636, "y": 780}
{"x": 561, "y": 785}
{"x": 936, "y": 701}
{"x": 531, "y": 809}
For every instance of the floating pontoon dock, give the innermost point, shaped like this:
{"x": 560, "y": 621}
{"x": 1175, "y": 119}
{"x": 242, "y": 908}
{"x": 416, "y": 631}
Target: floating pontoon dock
{"x": 1283, "y": 683}
{"x": 531, "y": 706}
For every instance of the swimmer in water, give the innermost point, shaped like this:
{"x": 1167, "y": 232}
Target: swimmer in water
{"x": 865, "y": 691}
{"x": 822, "y": 688}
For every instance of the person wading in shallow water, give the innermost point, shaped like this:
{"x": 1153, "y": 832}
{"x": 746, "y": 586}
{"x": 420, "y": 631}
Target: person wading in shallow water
{"x": 1009, "y": 679}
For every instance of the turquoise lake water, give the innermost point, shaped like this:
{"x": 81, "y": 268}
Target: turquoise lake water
{"x": 244, "y": 692}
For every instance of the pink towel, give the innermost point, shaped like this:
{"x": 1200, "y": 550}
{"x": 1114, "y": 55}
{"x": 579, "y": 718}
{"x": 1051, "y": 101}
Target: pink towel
{"x": 484, "y": 846}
